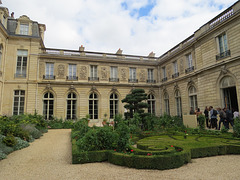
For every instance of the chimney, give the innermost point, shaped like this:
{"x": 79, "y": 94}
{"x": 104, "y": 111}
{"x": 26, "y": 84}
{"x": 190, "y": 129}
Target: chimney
{"x": 12, "y": 15}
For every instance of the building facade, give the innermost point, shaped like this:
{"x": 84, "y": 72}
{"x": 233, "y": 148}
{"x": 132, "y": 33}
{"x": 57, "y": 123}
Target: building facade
{"x": 202, "y": 70}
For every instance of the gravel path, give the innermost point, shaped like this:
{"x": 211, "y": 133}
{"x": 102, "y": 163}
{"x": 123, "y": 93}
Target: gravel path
{"x": 49, "y": 158}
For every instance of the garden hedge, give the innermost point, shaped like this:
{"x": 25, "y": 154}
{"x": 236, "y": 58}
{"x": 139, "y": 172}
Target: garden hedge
{"x": 147, "y": 158}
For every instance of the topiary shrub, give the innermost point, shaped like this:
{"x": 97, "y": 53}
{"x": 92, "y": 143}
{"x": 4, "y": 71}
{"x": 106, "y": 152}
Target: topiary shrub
{"x": 201, "y": 121}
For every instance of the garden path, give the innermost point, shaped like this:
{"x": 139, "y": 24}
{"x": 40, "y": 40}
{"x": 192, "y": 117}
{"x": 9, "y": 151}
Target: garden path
{"x": 49, "y": 158}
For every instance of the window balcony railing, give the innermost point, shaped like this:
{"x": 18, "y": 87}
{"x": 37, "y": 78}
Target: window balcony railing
{"x": 72, "y": 78}
{"x": 49, "y": 77}
{"x": 164, "y": 79}
{"x": 20, "y": 75}
{"x": 93, "y": 78}
{"x": 175, "y": 75}
{"x": 151, "y": 81}
{"x": 223, "y": 55}
{"x": 113, "y": 79}
{"x": 190, "y": 69}
{"x": 133, "y": 80}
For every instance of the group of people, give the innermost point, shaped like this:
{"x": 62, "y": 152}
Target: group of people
{"x": 225, "y": 116}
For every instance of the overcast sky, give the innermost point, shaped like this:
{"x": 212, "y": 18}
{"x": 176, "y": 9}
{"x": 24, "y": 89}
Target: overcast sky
{"x": 136, "y": 26}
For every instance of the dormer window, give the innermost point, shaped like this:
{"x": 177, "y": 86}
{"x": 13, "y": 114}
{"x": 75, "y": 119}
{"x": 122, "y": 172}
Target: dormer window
{"x": 24, "y": 28}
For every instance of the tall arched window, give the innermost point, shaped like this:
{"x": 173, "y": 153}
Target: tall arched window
{"x": 93, "y": 106}
{"x": 151, "y": 104}
{"x": 193, "y": 97}
{"x": 71, "y": 106}
{"x": 113, "y": 105}
{"x": 48, "y": 105}
{"x": 178, "y": 103}
{"x": 166, "y": 103}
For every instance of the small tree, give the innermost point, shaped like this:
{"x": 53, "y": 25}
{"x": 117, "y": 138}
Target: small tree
{"x": 134, "y": 102}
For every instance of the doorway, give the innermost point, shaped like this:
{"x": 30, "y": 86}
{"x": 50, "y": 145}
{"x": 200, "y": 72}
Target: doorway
{"x": 230, "y": 98}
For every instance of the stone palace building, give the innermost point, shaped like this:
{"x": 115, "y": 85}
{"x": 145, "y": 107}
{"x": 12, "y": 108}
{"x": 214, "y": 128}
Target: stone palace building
{"x": 202, "y": 70}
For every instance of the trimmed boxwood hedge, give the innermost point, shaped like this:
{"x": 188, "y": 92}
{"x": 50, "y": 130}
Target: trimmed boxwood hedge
{"x": 147, "y": 158}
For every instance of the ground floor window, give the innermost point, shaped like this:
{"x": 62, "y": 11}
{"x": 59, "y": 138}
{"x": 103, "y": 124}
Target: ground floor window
{"x": 48, "y": 105}
{"x": 113, "y": 105}
{"x": 18, "y": 104}
{"x": 193, "y": 97}
{"x": 166, "y": 103}
{"x": 178, "y": 103}
{"x": 93, "y": 106}
{"x": 151, "y": 104}
{"x": 71, "y": 106}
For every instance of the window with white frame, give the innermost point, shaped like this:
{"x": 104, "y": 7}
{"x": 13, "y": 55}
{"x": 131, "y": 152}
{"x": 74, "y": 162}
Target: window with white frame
{"x": 189, "y": 60}
{"x": 175, "y": 67}
{"x": 132, "y": 74}
{"x": 113, "y": 105}
{"x": 48, "y": 106}
{"x": 113, "y": 73}
{"x": 21, "y": 68}
{"x": 192, "y": 97}
{"x": 71, "y": 106}
{"x": 24, "y": 28}
{"x": 18, "y": 104}
{"x": 178, "y": 103}
{"x": 151, "y": 104}
{"x": 93, "y": 72}
{"x": 72, "y": 72}
{"x": 49, "y": 71}
{"x": 150, "y": 75}
{"x": 222, "y": 43}
{"x": 93, "y": 106}
{"x": 166, "y": 103}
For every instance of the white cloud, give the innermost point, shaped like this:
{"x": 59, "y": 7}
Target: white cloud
{"x": 104, "y": 25}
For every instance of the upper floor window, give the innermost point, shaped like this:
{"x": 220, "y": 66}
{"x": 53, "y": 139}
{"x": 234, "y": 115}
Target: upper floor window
{"x": 132, "y": 75}
{"x": 164, "y": 74}
{"x": 150, "y": 76}
{"x": 72, "y": 72}
{"x": 18, "y": 104}
{"x": 113, "y": 74}
{"x": 175, "y": 70}
{"x": 93, "y": 73}
{"x": 222, "y": 47}
{"x": 49, "y": 71}
{"x": 24, "y": 29}
{"x": 190, "y": 66}
{"x": 21, "y": 69}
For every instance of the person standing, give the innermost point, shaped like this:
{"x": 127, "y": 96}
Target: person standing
{"x": 222, "y": 116}
{"x": 206, "y": 116}
{"x": 213, "y": 114}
